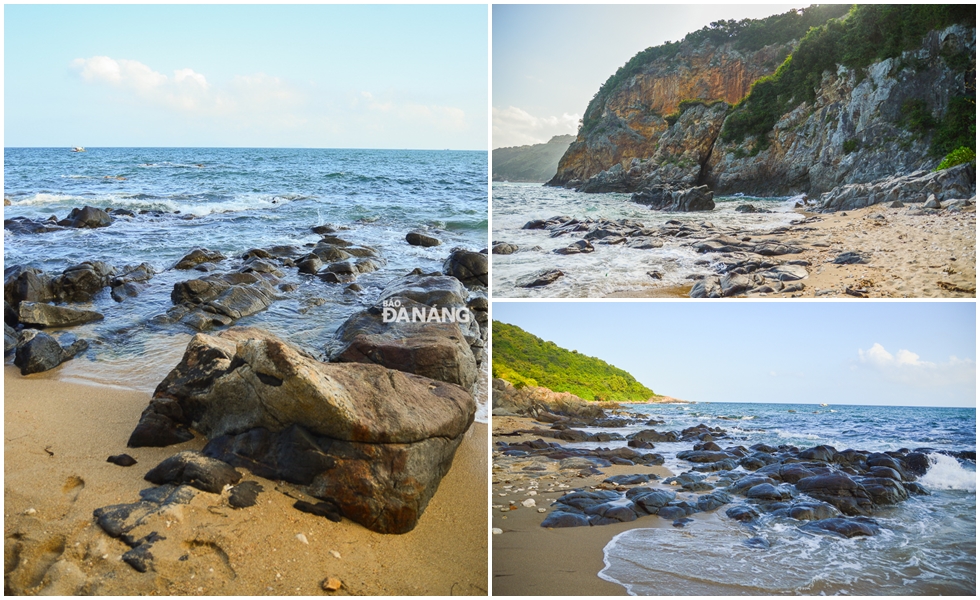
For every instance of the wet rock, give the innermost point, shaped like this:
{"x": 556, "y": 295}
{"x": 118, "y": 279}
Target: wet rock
{"x": 917, "y": 463}
{"x": 825, "y": 454}
{"x": 650, "y": 500}
{"x": 37, "y": 352}
{"x": 847, "y": 528}
{"x": 321, "y": 509}
{"x": 417, "y": 238}
{"x": 703, "y": 456}
{"x": 27, "y": 284}
{"x": 471, "y": 268}
{"x": 579, "y": 247}
{"x": 123, "y": 460}
{"x": 504, "y": 248}
{"x": 634, "y": 479}
{"x": 713, "y": 501}
{"x": 539, "y": 279}
{"x": 742, "y": 513}
{"x": 9, "y": 339}
{"x": 244, "y": 494}
{"x": 809, "y": 511}
{"x": 668, "y": 199}
{"x": 87, "y": 217}
{"x": 565, "y": 519}
{"x": 757, "y": 542}
{"x": 198, "y": 256}
{"x": 767, "y": 491}
{"x": 849, "y": 496}
{"x": 35, "y": 314}
{"x": 608, "y": 513}
{"x": 652, "y": 435}
{"x": 195, "y": 469}
{"x": 851, "y": 258}
{"x": 884, "y": 490}
{"x": 82, "y": 282}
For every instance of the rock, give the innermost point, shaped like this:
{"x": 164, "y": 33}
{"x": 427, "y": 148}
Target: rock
{"x": 767, "y": 491}
{"x": 430, "y": 290}
{"x": 742, "y": 513}
{"x": 195, "y": 469}
{"x": 82, "y": 282}
{"x": 331, "y": 584}
{"x": 634, "y": 479}
{"x": 244, "y": 494}
{"x": 851, "y": 258}
{"x": 565, "y": 519}
{"x": 847, "y": 495}
{"x": 650, "y": 501}
{"x": 119, "y": 519}
{"x": 665, "y": 198}
{"x": 87, "y": 217}
{"x": 504, "y": 248}
{"x": 927, "y": 187}
{"x": 541, "y": 278}
{"x": 917, "y": 463}
{"x": 579, "y": 247}
{"x": 37, "y": 352}
{"x": 321, "y": 509}
{"x": 36, "y": 314}
{"x": 896, "y": 204}
{"x": 810, "y": 511}
{"x": 471, "y": 268}
{"x": 884, "y": 490}
{"x": 123, "y": 460}
{"x": 417, "y": 238}
{"x": 27, "y": 284}
{"x": 9, "y": 339}
{"x": 198, "y": 256}
{"x": 847, "y": 528}
{"x": 391, "y": 435}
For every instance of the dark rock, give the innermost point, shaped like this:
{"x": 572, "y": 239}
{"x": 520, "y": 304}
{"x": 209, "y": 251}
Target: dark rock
{"x": 668, "y": 199}
{"x": 651, "y": 435}
{"x": 82, "y": 282}
{"x": 504, "y": 248}
{"x": 123, "y": 460}
{"x": 244, "y": 494}
{"x": 825, "y": 454}
{"x": 196, "y": 469}
{"x": 811, "y": 511}
{"x": 471, "y": 268}
{"x": 917, "y": 463}
{"x": 757, "y": 542}
{"x": 9, "y": 339}
{"x": 88, "y": 217}
{"x": 35, "y": 314}
{"x": 198, "y": 256}
{"x": 766, "y": 491}
{"x": 292, "y": 455}
{"x": 847, "y": 528}
{"x": 884, "y": 490}
{"x": 681, "y": 523}
{"x": 634, "y": 479}
{"x": 37, "y": 352}
{"x": 26, "y": 284}
{"x": 157, "y": 429}
{"x": 139, "y": 557}
{"x": 579, "y": 247}
{"x": 609, "y": 512}
{"x": 320, "y": 509}
{"x": 417, "y": 238}
{"x": 650, "y": 500}
{"x": 742, "y": 513}
{"x": 565, "y": 519}
{"x": 849, "y": 496}
{"x": 541, "y": 278}
{"x": 703, "y": 456}
{"x": 712, "y": 501}
{"x": 851, "y": 258}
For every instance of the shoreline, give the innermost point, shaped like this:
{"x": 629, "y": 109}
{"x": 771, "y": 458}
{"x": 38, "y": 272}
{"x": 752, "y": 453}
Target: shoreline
{"x": 58, "y": 436}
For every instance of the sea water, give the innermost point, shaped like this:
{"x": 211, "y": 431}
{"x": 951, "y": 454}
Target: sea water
{"x": 611, "y": 268}
{"x": 233, "y": 200}
{"x": 927, "y": 544}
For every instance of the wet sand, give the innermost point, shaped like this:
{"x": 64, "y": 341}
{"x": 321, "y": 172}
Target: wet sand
{"x": 911, "y": 255}
{"x": 532, "y": 560}
{"x": 58, "y": 435}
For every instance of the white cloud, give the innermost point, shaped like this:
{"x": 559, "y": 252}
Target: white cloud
{"x": 513, "y": 126}
{"x": 907, "y": 367}
{"x": 392, "y": 111}
{"x": 188, "y": 90}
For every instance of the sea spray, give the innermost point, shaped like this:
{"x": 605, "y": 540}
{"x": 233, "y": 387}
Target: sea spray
{"x": 946, "y": 473}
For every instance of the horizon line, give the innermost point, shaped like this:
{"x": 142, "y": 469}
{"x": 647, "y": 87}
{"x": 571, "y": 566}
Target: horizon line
{"x": 251, "y": 148}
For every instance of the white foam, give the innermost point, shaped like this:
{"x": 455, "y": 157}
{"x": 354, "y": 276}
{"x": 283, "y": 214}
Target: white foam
{"x": 946, "y": 473}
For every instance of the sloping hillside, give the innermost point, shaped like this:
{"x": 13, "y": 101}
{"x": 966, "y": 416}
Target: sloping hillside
{"x": 532, "y": 164}
{"x": 524, "y": 359}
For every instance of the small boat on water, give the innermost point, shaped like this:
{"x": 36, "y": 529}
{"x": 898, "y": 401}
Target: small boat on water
{"x": 823, "y": 405}
{"x": 78, "y": 149}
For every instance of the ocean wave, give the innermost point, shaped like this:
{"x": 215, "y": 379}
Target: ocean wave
{"x": 946, "y": 473}
{"x": 195, "y": 204}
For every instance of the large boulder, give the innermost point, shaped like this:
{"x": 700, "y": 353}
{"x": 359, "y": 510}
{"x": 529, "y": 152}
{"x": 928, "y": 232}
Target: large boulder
{"x": 87, "y": 217}
{"x": 389, "y": 436}
{"x": 37, "y": 352}
{"x": 198, "y": 256}
{"x": 849, "y": 496}
{"x": 472, "y": 268}
{"x": 22, "y": 283}
{"x": 666, "y": 198}
{"x": 37, "y": 314}
{"x": 82, "y": 282}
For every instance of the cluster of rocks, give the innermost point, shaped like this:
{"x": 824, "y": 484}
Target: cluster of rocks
{"x": 558, "y": 408}
{"x": 670, "y": 199}
{"x": 928, "y": 188}
{"x": 87, "y": 217}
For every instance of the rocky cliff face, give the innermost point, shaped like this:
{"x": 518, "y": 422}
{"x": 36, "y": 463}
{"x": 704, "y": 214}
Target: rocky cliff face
{"x": 633, "y": 118}
{"x": 854, "y": 131}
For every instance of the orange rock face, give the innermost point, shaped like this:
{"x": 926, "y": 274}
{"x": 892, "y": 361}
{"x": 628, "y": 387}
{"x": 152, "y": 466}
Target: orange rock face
{"x": 632, "y": 116}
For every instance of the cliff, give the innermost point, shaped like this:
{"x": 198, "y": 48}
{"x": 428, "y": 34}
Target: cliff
{"x": 536, "y": 163}
{"x": 882, "y": 91}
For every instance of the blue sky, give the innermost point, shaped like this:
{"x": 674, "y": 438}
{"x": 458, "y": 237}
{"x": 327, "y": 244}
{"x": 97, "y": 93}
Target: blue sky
{"x": 260, "y": 76}
{"x": 885, "y": 353}
{"x": 549, "y": 60}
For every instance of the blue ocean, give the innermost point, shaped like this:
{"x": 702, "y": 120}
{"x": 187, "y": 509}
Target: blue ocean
{"x": 233, "y": 200}
{"x": 927, "y": 544}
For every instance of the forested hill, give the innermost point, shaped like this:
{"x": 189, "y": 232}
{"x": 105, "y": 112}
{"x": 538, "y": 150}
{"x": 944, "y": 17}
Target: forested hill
{"x": 524, "y": 359}
{"x": 533, "y": 164}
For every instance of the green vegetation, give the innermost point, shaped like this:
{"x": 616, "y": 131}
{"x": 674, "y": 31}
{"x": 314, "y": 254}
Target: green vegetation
{"x": 524, "y": 359}
{"x": 958, "y": 128}
{"x": 745, "y": 35}
{"x": 537, "y": 163}
{"x": 869, "y": 33}
{"x": 957, "y": 157}
{"x": 850, "y": 146}
{"x": 916, "y": 117}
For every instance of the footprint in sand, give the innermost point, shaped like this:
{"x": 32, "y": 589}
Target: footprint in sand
{"x": 73, "y": 487}
{"x": 33, "y": 564}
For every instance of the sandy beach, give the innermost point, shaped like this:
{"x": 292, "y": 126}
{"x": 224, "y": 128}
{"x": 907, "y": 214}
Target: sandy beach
{"x": 565, "y": 561}
{"x": 911, "y": 255}
{"x": 57, "y": 437}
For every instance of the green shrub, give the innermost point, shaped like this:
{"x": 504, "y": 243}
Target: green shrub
{"x": 958, "y": 127}
{"x": 916, "y": 117}
{"x": 957, "y": 157}
{"x": 850, "y": 146}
